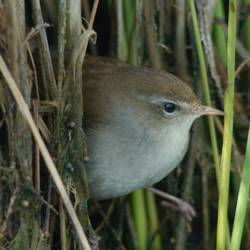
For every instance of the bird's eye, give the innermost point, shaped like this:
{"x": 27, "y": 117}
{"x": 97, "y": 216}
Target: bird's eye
{"x": 169, "y": 107}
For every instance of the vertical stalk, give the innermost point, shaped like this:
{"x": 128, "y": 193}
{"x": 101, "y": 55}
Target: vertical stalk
{"x": 15, "y": 14}
{"x": 151, "y": 35}
{"x": 61, "y": 29}
{"x": 242, "y": 202}
{"x": 153, "y": 219}
{"x": 180, "y": 35}
{"x": 228, "y": 130}
{"x": 122, "y": 48}
{"x": 139, "y": 216}
{"x": 203, "y": 72}
{"x": 219, "y": 36}
{"x": 63, "y": 232}
{"x": 44, "y": 47}
{"x": 246, "y": 39}
{"x": 130, "y": 24}
{"x": 139, "y": 32}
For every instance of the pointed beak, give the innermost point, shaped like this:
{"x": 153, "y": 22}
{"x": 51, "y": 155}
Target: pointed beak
{"x": 205, "y": 110}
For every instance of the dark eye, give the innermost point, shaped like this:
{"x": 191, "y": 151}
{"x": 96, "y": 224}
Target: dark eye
{"x": 169, "y": 107}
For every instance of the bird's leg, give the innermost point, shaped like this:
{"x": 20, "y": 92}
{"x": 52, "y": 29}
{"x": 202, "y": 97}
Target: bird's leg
{"x": 175, "y": 203}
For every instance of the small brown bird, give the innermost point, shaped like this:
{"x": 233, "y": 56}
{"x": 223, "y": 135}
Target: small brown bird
{"x": 137, "y": 123}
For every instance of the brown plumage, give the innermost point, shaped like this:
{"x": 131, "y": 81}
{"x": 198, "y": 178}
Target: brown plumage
{"x": 137, "y": 122}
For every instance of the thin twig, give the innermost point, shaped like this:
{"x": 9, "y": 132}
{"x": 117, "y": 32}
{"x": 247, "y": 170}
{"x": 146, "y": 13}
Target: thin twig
{"x": 35, "y": 104}
{"x": 108, "y": 214}
{"x": 241, "y": 66}
{"x": 34, "y": 71}
{"x": 93, "y": 13}
{"x": 208, "y": 45}
{"x": 47, "y": 213}
{"x": 86, "y": 14}
{"x": 121, "y": 49}
{"x": 107, "y": 222}
{"x": 35, "y": 30}
{"x": 156, "y": 232}
{"x": 9, "y": 211}
{"x": 47, "y": 203}
{"x": 131, "y": 226}
{"x": 47, "y": 61}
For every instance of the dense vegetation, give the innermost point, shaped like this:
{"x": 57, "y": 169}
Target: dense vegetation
{"x": 205, "y": 43}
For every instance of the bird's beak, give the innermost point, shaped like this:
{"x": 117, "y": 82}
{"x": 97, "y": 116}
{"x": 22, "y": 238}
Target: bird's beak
{"x": 205, "y": 110}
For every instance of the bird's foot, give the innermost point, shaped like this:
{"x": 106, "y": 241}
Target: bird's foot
{"x": 176, "y": 204}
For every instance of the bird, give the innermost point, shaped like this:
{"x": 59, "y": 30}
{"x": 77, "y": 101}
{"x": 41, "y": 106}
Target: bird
{"x": 137, "y": 122}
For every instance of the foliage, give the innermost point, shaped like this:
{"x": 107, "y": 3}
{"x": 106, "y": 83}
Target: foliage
{"x": 205, "y": 43}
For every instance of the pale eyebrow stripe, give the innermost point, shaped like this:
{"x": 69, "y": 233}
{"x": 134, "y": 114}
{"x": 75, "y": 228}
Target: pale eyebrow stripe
{"x": 155, "y": 99}
{"x": 161, "y": 99}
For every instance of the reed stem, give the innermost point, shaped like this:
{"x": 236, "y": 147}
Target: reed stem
{"x": 228, "y": 130}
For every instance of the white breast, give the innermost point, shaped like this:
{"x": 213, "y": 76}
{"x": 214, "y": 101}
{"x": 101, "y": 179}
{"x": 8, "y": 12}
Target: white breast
{"x": 121, "y": 161}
